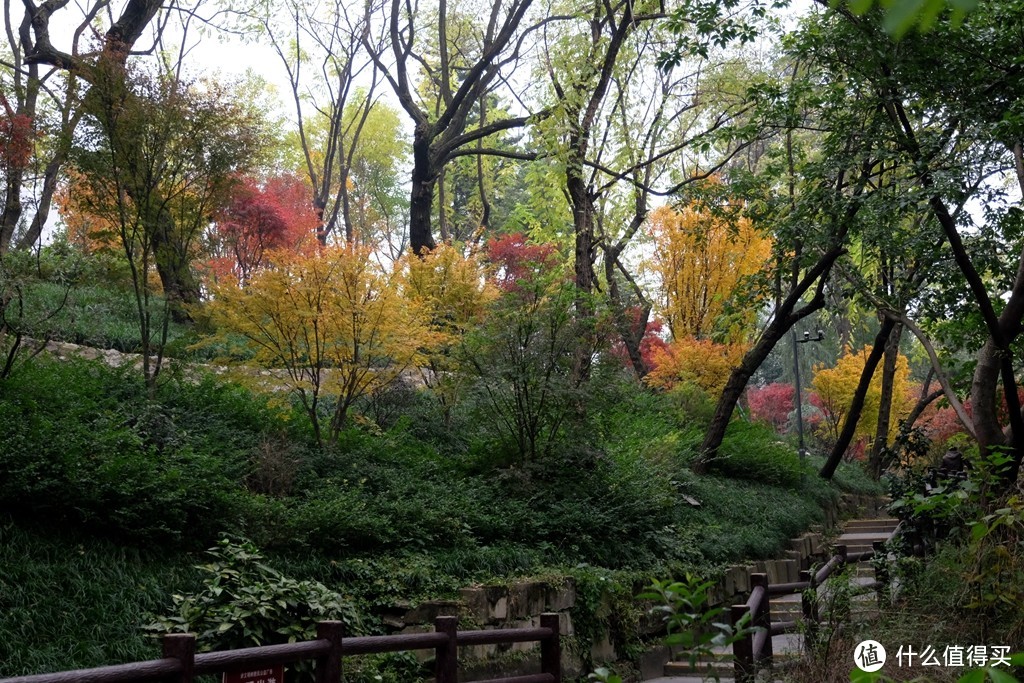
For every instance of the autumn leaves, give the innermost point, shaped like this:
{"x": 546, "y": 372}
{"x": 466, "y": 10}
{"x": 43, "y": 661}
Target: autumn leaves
{"x": 339, "y": 325}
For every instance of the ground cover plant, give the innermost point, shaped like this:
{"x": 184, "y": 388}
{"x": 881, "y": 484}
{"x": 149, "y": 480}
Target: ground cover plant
{"x": 383, "y": 517}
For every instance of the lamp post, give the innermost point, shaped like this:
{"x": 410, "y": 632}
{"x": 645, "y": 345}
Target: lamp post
{"x": 796, "y": 395}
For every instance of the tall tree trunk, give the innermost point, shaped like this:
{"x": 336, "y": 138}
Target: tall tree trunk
{"x": 173, "y": 265}
{"x": 583, "y": 220}
{"x": 631, "y": 331}
{"x": 443, "y": 231}
{"x": 857, "y": 404}
{"x": 984, "y": 393}
{"x": 892, "y": 354}
{"x": 12, "y": 209}
{"x": 50, "y": 178}
{"x": 786, "y": 315}
{"x": 421, "y": 197}
{"x": 733, "y": 391}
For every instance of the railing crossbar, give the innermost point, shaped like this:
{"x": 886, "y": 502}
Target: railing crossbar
{"x": 756, "y": 596}
{"x": 247, "y": 658}
{"x": 119, "y": 673}
{"x": 788, "y": 588}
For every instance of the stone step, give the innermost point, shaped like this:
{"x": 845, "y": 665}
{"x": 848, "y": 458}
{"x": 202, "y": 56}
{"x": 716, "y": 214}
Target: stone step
{"x": 889, "y": 521}
{"x": 784, "y": 647}
{"x": 687, "y": 679}
{"x": 862, "y": 537}
{"x": 871, "y": 525}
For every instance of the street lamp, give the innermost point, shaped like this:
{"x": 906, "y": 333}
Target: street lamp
{"x": 796, "y": 396}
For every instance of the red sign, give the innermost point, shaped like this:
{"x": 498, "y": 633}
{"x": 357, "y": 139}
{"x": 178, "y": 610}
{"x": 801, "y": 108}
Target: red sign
{"x": 272, "y": 674}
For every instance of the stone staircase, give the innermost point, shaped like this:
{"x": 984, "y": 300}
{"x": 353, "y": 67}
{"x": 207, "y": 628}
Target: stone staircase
{"x": 857, "y": 535}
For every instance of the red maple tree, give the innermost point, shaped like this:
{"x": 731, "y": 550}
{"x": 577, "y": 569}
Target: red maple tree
{"x": 16, "y": 136}
{"x": 260, "y": 218}
{"x": 514, "y": 260}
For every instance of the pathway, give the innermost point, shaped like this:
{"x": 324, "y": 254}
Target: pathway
{"x": 858, "y": 535}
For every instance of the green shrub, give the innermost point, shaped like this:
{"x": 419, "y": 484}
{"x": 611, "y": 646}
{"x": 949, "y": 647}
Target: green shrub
{"x": 245, "y": 602}
{"x": 83, "y": 443}
{"x": 91, "y": 316}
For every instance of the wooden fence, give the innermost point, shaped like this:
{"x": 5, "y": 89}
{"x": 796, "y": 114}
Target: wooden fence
{"x": 181, "y": 664}
{"x": 756, "y": 649}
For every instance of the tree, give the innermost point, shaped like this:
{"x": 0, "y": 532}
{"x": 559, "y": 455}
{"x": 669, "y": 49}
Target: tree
{"x": 332, "y": 323}
{"x": 453, "y": 296}
{"x": 32, "y": 48}
{"x": 257, "y": 220}
{"x": 837, "y": 386}
{"x": 160, "y": 156}
{"x": 772, "y": 403}
{"x": 331, "y": 112}
{"x": 464, "y": 74}
{"x": 701, "y": 362}
{"x": 810, "y": 205}
{"x": 966, "y": 124}
{"x": 702, "y": 257}
{"x": 523, "y": 357}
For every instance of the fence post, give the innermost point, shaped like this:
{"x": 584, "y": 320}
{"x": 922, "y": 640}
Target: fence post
{"x": 809, "y": 608}
{"x": 763, "y": 616}
{"x": 881, "y": 570}
{"x": 446, "y": 657}
{"x": 551, "y": 647}
{"x": 328, "y": 667}
{"x": 743, "y": 650}
{"x": 181, "y": 646}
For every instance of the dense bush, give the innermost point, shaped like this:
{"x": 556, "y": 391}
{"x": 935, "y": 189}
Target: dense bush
{"x": 386, "y": 516}
{"x": 84, "y": 443}
{"x": 244, "y": 602}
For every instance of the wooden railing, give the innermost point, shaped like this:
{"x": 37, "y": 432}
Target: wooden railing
{"x": 755, "y": 650}
{"x": 181, "y": 664}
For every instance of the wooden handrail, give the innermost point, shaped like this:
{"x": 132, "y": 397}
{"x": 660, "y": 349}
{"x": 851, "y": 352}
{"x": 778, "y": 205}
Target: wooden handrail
{"x": 757, "y": 595}
{"x": 754, "y": 649}
{"x": 181, "y": 664}
{"x": 153, "y": 670}
{"x": 788, "y": 588}
{"x": 247, "y": 658}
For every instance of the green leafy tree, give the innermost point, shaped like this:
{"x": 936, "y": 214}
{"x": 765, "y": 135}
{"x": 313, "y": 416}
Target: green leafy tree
{"x": 159, "y": 155}
{"x": 953, "y": 134}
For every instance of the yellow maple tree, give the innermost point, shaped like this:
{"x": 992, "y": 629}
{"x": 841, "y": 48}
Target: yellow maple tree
{"x": 331, "y": 323}
{"x": 701, "y": 258}
{"x": 835, "y": 388}
{"x": 452, "y": 294}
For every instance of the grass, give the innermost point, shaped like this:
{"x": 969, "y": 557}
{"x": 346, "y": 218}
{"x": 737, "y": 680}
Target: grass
{"x": 76, "y": 601}
{"x": 101, "y": 317}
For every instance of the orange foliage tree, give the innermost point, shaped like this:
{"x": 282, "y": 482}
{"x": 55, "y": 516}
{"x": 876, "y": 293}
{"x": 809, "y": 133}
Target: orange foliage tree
{"x": 835, "y": 388}
{"x": 701, "y": 258}
{"x": 700, "y": 362}
{"x": 92, "y": 231}
{"x": 333, "y": 323}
